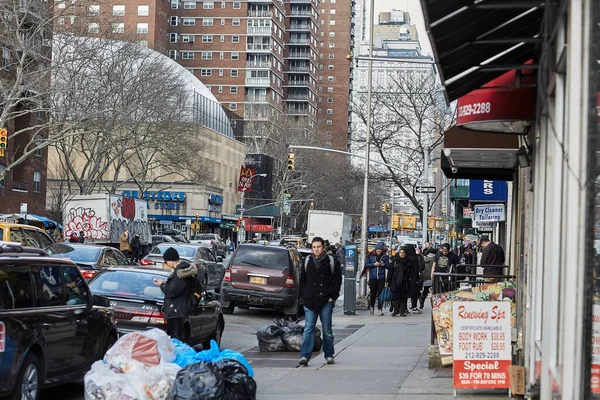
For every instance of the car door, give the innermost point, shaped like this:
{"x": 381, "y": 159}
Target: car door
{"x": 121, "y": 259}
{"x": 211, "y": 265}
{"x": 207, "y": 313}
{"x": 56, "y": 320}
{"x": 87, "y": 330}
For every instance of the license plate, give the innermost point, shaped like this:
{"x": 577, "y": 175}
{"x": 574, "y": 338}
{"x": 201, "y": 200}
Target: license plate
{"x": 258, "y": 280}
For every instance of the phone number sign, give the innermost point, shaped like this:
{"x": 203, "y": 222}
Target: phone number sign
{"x": 481, "y": 345}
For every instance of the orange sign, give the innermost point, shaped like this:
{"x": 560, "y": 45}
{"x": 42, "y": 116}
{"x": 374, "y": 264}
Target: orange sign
{"x": 481, "y": 346}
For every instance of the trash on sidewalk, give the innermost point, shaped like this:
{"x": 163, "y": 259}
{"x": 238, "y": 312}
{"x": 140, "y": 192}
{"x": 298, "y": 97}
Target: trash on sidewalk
{"x": 144, "y": 366}
{"x": 284, "y": 335}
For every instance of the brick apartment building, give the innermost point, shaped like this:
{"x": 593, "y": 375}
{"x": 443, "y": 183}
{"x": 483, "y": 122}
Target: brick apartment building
{"x": 257, "y": 57}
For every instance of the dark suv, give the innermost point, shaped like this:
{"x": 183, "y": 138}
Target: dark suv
{"x": 51, "y": 327}
{"x": 262, "y": 276}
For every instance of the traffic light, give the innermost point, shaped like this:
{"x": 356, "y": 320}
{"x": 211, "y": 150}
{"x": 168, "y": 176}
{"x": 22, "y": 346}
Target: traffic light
{"x": 290, "y": 162}
{"x": 396, "y": 221}
{"x": 3, "y": 140}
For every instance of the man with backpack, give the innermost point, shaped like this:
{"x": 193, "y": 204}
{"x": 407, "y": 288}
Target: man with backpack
{"x": 320, "y": 283}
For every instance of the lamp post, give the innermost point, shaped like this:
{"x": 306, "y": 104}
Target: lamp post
{"x": 246, "y": 185}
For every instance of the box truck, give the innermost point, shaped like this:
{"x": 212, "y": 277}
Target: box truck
{"x": 334, "y": 226}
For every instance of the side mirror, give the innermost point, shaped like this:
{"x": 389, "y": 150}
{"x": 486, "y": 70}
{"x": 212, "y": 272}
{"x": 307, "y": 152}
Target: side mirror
{"x": 219, "y": 259}
{"x": 101, "y": 301}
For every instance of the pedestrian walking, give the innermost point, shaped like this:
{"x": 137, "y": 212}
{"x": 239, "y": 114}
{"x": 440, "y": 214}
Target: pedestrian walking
{"x": 136, "y": 248}
{"x": 444, "y": 261}
{"x": 428, "y": 261}
{"x": 340, "y": 254}
{"x": 320, "y": 287}
{"x": 429, "y": 250}
{"x": 179, "y": 296}
{"x": 417, "y": 286}
{"x": 377, "y": 262}
{"x": 398, "y": 282}
{"x": 228, "y": 245}
{"x": 81, "y": 237}
{"x": 492, "y": 259}
{"x": 124, "y": 245}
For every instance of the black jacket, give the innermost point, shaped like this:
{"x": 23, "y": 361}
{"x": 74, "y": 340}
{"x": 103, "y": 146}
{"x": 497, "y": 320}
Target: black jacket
{"x": 136, "y": 245}
{"x": 492, "y": 255}
{"x": 398, "y": 275}
{"x": 178, "y": 291}
{"x": 318, "y": 284}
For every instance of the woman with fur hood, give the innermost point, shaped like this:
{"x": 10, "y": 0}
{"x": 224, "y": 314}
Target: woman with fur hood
{"x": 178, "y": 290}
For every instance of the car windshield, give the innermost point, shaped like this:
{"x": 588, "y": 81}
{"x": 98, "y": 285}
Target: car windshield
{"x": 204, "y": 237}
{"x": 184, "y": 251}
{"x": 264, "y": 257}
{"x": 78, "y": 254}
{"x": 131, "y": 284}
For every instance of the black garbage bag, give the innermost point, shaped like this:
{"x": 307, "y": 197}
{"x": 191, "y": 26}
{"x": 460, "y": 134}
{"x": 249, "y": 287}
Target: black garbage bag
{"x": 270, "y": 338}
{"x": 292, "y": 337}
{"x": 199, "y": 381}
{"x": 238, "y": 385}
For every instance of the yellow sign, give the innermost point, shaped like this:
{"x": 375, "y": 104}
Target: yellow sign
{"x": 409, "y": 222}
{"x": 396, "y": 221}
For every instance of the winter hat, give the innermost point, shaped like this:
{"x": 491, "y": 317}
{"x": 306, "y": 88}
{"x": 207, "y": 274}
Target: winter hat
{"x": 379, "y": 246}
{"x": 171, "y": 255}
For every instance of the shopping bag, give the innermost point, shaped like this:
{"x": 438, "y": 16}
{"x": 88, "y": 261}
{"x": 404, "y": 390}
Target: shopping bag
{"x": 386, "y": 295}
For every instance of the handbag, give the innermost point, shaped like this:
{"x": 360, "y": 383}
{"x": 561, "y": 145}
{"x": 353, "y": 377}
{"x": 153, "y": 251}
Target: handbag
{"x": 386, "y": 295}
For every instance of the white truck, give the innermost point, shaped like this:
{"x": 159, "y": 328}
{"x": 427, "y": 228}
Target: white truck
{"x": 334, "y": 226}
{"x": 103, "y": 218}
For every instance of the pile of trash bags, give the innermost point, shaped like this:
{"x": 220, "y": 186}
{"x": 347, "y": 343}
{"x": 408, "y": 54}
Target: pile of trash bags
{"x": 151, "y": 366}
{"x": 284, "y": 335}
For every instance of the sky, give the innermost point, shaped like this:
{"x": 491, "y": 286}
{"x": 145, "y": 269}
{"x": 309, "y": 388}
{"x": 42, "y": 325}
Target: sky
{"x": 416, "y": 15}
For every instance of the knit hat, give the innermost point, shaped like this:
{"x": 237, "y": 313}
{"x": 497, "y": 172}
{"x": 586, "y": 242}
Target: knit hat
{"x": 171, "y": 255}
{"x": 379, "y": 246}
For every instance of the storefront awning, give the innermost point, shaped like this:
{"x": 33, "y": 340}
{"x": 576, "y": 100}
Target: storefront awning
{"x": 474, "y": 41}
{"x": 464, "y": 155}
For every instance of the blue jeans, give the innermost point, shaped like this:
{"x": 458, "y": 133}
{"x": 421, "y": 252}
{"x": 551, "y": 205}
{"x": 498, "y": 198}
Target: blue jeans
{"x": 308, "y": 338}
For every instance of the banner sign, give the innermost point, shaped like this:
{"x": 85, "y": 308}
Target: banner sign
{"x": 484, "y": 190}
{"x": 595, "y": 378}
{"x": 490, "y": 213}
{"x": 481, "y": 350}
{"x": 468, "y": 213}
{"x": 245, "y": 182}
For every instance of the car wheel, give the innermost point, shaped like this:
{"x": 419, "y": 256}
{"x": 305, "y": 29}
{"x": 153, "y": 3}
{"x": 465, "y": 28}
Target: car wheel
{"x": 229, "y": 309}
{"x": 218, "y": 334}
{"x": 29, "y": 381}
{"x": 185, "y": 334}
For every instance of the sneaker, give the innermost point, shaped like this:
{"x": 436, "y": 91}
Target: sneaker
{"x": 417, "y": 311}
{"x": 372, "y": 310}
{"x": 380, "y": 312}
{"x": 330, "y": 360}
{"x": 303, "y": 361}
{"x": 422, "y": 304}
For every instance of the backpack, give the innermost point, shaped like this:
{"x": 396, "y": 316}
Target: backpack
{"x": 331, "y": 263}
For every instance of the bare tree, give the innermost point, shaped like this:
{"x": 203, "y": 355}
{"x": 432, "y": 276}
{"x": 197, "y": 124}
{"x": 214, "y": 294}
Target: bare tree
{"x": 409, "y": 118}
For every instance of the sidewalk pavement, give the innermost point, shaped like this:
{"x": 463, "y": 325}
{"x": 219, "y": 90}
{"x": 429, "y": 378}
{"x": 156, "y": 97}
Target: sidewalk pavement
{"x": 385, "y": 359}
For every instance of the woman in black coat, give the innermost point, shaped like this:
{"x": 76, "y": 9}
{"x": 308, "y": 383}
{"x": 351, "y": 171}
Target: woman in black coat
{"x": 415, "y": 282}
{"x": 398, "y": 281}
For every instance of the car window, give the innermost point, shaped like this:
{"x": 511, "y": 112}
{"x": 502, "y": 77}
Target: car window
{"x": 48, "y": 281}
{"x": 16, "y": 235}
{"x": 121, "y": 259}
{"x": 204, "y": 237}
{"x": 109, "y": 258}
{"x": 210, "y": 255}
{"x": 77, "y": 292}
{"x": 83, "y": 254}
{"x": 203, "y": 253}
{"x": 156, "y": 240}
{"x": 265, "y": 257}
{"x": 128, "y": 283}
{"x": 44, "y": 239}
{"x": 31, "y": 238}
{"x": 16, "y": 290}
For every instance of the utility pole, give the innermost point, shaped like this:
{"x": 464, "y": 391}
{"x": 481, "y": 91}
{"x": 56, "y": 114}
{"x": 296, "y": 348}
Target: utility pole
{"x": 425, "y": 195}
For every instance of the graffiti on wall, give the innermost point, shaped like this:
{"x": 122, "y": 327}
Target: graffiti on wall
{"x": 127, "y": 213}
{"x": 85, "y": 219}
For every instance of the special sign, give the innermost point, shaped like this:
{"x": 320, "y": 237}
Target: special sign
{"x": 481, "y": 348}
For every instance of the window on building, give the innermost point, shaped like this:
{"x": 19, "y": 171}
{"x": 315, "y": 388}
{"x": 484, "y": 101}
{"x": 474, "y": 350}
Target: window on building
{"x": 208, "y": 5}
{"x": 330, "y": 67}
{"x": 235, "y": 55}
{"x": 187, "y": 55}
{"x": 3, "y": 180}
{"x": 331, "y": 34}
{"x": 233, "y": 89}
{"x": 118, "y": 11}
{"x": 330, "y": 89}
{"x": 233, "y": 106}
{"x": 235, "y": 39}
{"x": 329, "y": 122}
{"x": 222, "y": 38}
{"x": 331, "y": 56}
{"x": 207, "y": 22}
{"x": 143, "y": 43}
{"x": 222, "y": 4}
{"x": 220, "y": 89}
{"x": 174, "y": 20}
{"x": 237, "y": 5}
{"x": 173, "y": 37}
{"x": 143, "y": 11}
{"x": 330, "y": 99}
{"x": 221, "y": 55}
{"x": 330, "y": 78}
{"x": 331, "y": 45}
{"x": 220, "y": 72}
{"x": 94, "y": 10}
{"x": 328, "y": 133}
{"x": 118, "y": 27}
{"x": 174, "y": 4}
{"x": 332, "y": 12}
{"x": 187, "y": 39}
{"x": 332, "y": 22}
{"x": 329, "y": 111}
{"x": 189, "y": 22}
{"x": 206, "y": 72}
{"x": 222, "y": 21}
{"x": 234, "y": 73}
{"x": 235, "y": 22}
{"x": 327, "y": 144}
{"x": 207, "y": 38}
{"x": 62, "y": 5}
{"x": 189, "y": 5}
{"x": 37, "y": 181}
{"x": 206, "y": 55}
{"x": 142, "y": 27}
{"x": 93, "y": 27}
{"x": 173, "y": 54}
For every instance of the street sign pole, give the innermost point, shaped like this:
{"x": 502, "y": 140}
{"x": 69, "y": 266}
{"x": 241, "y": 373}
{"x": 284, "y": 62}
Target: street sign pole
{"x": 425, "y": 195}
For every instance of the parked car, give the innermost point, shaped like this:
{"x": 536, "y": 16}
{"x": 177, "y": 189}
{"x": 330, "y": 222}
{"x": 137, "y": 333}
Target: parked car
{"x": 180, "y": 239}
{"x": 158, "y": 239}
{"x": 138, "y": 302}
{"x": 51, "y": 326}
{"x": 213, "y": 240}
{"x": 210, "y": 268}
{"x": 263, "y": 276}
{"x": 89, "y": 258}
{"x": 27, "y": 235}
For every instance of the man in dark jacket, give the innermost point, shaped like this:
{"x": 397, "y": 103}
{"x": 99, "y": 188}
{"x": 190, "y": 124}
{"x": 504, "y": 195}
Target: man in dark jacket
{"x": 444, "y": 261}
{"x": 179, "y": 302}
{"x": 136, "y": 248}
{"x": 319, "y": 287}
{"x": 377, "y": 263}
{"x": 492, "y": 258}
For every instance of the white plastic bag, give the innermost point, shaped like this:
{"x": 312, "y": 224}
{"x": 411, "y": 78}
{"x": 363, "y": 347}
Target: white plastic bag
{"x": 102, "y": 382}
{"x": 150, "y": 348}
{"x": 155, "y": 382}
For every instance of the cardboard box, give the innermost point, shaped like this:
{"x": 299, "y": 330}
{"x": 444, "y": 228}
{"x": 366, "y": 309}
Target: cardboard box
{"x": 517, "y": 379}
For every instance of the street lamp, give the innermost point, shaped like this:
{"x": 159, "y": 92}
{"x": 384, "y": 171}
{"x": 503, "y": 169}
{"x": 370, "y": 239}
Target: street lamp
{"x": 248, "y": 183}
